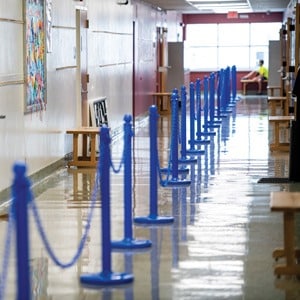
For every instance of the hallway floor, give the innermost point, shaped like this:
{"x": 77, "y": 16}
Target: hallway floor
{"x": 219, "y": 246}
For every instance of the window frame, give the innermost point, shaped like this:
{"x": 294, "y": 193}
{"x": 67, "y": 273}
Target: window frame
{"x": 253, "y": 50}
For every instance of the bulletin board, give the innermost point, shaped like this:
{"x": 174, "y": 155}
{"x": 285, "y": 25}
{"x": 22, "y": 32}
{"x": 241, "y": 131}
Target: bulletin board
{"x": 35, "y": 57}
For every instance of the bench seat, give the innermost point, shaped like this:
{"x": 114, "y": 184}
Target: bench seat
{"x": 245, "y": 83}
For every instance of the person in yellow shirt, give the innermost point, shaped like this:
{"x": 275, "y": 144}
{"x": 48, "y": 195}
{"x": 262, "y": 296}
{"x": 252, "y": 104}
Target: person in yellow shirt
{"x": 259, "y": 76}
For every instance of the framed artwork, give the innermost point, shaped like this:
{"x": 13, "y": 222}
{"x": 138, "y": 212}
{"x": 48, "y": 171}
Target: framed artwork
{"x": 35, "y": 64}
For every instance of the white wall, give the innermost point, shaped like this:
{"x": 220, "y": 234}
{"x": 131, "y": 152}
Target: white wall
{"x": 39, "y": 137}
{"x": 11, "y": 95}
{"x": 110, "y": 57}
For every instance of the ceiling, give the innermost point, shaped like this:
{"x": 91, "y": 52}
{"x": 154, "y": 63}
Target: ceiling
{"x": 221, "y": 6}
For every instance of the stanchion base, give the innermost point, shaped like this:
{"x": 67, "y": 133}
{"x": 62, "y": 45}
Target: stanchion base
{"x": 208, "y": 133}
{"x": 223, "y": 116}
{"x": 217, "y": 120}
{"x": 201, "y": 142}
{"x": 106, "y": 278}
{"x": 180, "y": 171}
{"x": 227, "y": 111}
{"x": 211, "y": 125}
{"x": 131, "y": 244}
{"x": 187, "y": 160}
{"x": 151, "y": 219}
{"x": 178, "y": 182}
{"x": 195, "y": 151}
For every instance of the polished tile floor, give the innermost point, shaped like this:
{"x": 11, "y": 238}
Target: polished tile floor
{"x": 219, "y": 245}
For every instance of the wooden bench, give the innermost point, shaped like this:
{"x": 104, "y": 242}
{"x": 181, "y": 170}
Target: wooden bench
{"x": 88, "y": 143}
{"x": 245, "y": 82}
{"x": 275, "y": 102}
{"x": 163, "y": 102}
{"x": 289, "y": 204}
{"x": 280, "y": 122}
{"x": 272, "y": 88}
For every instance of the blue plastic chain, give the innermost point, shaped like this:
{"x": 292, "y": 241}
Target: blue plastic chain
{"x": 83, "y": 238}
{"x": 117, "y": 170}
{"x": 165, "y": 182}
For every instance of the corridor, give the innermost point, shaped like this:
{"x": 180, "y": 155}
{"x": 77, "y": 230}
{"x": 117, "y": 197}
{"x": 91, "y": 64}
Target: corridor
{"x": 219, "y": 245}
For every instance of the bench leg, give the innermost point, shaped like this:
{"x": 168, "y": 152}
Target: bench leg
{"x": 75, "y": 147}
{"x": 276, "y": 135}
{"x": 276, "y": 144}
{"x": 93, "y": 149}
{"x": 290, "y": 268}
{"x": 244, "y": 88}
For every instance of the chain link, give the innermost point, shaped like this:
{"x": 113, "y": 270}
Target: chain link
{"x": 83, "y": 238}
{"x": 164, "y": 182}
{"x": 117, "y": 170}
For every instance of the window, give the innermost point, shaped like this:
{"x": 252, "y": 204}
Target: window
{"x": 215, "y": 46}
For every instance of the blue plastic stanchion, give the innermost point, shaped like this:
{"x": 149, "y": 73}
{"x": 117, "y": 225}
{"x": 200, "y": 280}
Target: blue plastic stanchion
{"x": 219, "y": 97}
{"x": 206, "y": 126}
{"x": 213, "y": 121}
{"x": 226, "y": 91}
{"x": 106, "y": 277}
{"x": 184, "y": 158}
{"x": 173, "y": 168}
{"x": 223, "y": 96}
{"x": 128, "y": 242}
{"x": 199, "y": 140}
{"x": 193, "y": 149}
{"x": 153, "y": 217}
{"x": 21, "y": 197}
{"x": 175, "y": 180}
{"x": 221, "y": 92}
{"x": 233, "y": 84}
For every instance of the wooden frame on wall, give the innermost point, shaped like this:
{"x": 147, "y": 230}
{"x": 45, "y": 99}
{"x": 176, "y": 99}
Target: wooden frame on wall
{"x": 35, "y": 56}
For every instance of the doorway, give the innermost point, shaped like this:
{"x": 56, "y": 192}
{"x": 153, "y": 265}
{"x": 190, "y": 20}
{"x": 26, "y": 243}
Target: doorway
{"x": 82, "y": 63}
{"x": 162, "y": 59}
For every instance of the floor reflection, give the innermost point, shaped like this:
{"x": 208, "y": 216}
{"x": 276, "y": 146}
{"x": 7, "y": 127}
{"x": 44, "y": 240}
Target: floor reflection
{"x": 219, "y": 245}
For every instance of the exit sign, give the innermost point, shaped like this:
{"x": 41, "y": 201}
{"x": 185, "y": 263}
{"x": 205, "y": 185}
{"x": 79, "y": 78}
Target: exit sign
{"x": 232, "y": 15}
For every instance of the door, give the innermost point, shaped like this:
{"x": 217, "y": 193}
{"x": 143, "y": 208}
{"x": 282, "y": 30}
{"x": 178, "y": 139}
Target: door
{"x": 162, "y": 59}
{"x": 82, "y": 62}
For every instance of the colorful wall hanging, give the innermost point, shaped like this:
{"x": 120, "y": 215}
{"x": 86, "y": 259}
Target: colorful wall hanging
{"x": 35, "y": 56}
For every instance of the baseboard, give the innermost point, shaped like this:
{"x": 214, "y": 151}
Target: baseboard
{"x": 36, "y": 180}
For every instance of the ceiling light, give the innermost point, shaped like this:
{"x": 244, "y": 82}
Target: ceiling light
{"x": 222, "y": 5}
